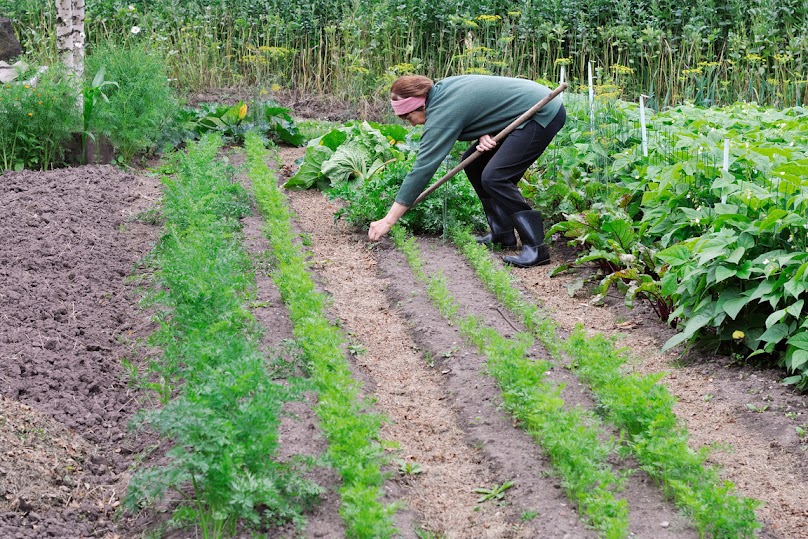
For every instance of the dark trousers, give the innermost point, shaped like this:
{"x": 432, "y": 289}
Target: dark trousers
{"x": 496, "y": 172}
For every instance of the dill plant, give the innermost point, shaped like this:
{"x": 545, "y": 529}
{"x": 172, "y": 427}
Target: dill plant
{"x": 142, "y": 105}
{"x": 36, "y": 119}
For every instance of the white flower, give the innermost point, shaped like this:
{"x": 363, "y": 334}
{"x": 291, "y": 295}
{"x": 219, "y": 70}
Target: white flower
{"x": 766, "y": 262}
{"x": 627, "y": 258}
{"x": 136, "y": 30}
{"x": 131, "y": 8}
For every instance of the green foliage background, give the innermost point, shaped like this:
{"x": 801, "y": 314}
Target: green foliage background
{"x": 707, "y": 50}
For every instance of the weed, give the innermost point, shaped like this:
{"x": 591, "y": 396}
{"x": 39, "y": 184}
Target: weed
{"x": 429, "y": 359}
{"x": 528, "y": 515}
{"x": 140, "y": 107}
{"x": 756, "y": 408}
{"x": 152, "y": 216}
{"x": 495, "y": 493}
{"x": 409, "y": 468}
{"x": 423, "y": 533}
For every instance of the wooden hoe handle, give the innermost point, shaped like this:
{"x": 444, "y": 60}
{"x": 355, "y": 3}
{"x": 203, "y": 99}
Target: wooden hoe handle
{"x": 499, "y": 136}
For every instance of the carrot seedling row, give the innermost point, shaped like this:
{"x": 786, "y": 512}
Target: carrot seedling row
{"x": 570, "y": 438}
{"x": 352, "y": 429}
{"x": 639, "y": 406}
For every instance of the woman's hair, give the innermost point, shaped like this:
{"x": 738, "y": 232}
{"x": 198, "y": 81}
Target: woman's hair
{"x": 411, "y": 86}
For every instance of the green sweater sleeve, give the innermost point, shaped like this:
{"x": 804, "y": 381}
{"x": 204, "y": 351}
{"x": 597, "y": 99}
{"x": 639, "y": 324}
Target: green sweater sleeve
{"x": 436, "y": 143}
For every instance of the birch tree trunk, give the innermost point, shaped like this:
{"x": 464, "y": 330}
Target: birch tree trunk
{"x": 70, "y": 37}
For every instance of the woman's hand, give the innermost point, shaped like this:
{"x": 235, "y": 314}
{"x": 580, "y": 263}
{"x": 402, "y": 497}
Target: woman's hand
{"x": 379, "y": 229}
{"x": 485, "y": 143}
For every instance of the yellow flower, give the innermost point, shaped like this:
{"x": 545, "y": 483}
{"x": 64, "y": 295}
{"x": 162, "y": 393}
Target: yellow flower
{"x": 738, "y": 335}
{"x": 31, "y": 114}
{"x": 621, "y": 69}
{"x": 242, "y": 111}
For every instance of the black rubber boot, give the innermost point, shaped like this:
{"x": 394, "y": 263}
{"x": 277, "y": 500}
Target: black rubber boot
{"x": 501, "y": 234}
{"x": 531, "y": 231}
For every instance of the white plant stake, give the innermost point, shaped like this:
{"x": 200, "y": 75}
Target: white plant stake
{"x": 726, "y": 155}
{"x": 643, "y": 132}
{"x": 561, "y": 80}
{"x": 726, "y": 165}
{"x": 591, "y": 99}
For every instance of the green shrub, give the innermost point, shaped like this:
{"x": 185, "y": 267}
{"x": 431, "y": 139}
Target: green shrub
{"x": 36, "y": 120}
{"x": 141, "y": 107}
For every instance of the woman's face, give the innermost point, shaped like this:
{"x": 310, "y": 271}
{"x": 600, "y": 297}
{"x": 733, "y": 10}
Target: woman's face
{"x": 416, "y": 117}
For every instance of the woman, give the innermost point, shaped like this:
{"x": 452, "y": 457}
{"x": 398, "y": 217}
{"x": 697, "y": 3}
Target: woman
{"x": 469, "y": 107}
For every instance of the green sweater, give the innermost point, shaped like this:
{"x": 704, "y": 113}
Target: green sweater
{"x": 465, "y": 108}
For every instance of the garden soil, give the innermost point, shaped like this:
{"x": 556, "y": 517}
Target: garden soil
{"x": 70, "y": 314}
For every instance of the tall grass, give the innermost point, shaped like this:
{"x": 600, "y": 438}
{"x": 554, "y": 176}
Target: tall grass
{"x": 715, "y": 52}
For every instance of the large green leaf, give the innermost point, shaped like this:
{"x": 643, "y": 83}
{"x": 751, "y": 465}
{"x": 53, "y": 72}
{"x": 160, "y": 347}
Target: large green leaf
{"x": 723, "y": 273}
{"x": 798, "y": 359}
{"x": 696, "y": 323}
{"x": 310, "y": 170}
{"x": 350, "y": 160}
{"x": 775, "y": 334}
{"x": 772, "y": 218}
{"x": 673, "y": 341}
{"x": 621, "y": 231}
{"x": 799, "y": 340}
{"x": 731, "y": 302}
{"x": 675, "y": 255}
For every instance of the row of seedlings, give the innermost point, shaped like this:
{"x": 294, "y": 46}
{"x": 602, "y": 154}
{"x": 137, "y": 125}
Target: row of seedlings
{"x": 215, "y": 404}
{"x": 351, "y": 428}
{"x": 640, "y": 406}
{"x": 570, "y": 437}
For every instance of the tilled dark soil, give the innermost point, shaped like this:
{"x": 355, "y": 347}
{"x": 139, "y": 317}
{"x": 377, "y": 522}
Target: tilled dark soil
{"x": 68, "y": 317}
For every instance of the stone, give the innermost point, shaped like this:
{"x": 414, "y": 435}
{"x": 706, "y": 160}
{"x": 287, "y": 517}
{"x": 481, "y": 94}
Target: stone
{"x": 9, "y": 45}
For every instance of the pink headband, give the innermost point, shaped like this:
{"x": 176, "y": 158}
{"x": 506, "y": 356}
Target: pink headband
{"x": 404, "y": 106}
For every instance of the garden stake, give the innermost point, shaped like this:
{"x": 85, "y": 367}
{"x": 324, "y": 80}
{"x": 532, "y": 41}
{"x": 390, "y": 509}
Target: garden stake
{"x": 499, "y": 136}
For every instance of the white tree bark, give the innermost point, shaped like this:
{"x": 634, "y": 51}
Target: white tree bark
{"x": 70, "y": 35}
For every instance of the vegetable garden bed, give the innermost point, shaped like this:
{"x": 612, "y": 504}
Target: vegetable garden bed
{"x": 451, "y": 448}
